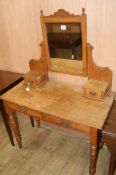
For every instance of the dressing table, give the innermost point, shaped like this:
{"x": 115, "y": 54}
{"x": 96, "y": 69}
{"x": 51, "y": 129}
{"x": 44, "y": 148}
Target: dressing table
{"x": 59, "y": 103}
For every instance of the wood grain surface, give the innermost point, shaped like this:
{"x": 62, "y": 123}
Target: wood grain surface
{"x": 62, "y": 100}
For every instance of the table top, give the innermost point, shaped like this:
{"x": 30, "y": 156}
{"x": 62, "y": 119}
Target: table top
{"x": 7, "y": 79}
{"x": 64, "y": 101}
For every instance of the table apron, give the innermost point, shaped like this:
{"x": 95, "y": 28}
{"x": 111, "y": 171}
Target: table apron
{"x": 59, "y": 121}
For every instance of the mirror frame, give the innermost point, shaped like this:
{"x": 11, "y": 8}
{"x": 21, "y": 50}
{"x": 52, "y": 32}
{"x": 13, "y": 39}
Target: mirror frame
{"x": 62, "y": 16}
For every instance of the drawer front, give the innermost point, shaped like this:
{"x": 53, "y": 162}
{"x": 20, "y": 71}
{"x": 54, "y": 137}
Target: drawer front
{"x": 64, "y": 123}
{"x": 48, "y": 118}
{"x": 23, "y": 109}
{"x": 55, "y": 120}
{"x": 92, "y": 94}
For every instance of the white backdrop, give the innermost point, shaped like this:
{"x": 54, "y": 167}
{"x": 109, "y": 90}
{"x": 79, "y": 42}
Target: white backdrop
{"x": 20, "y": 32}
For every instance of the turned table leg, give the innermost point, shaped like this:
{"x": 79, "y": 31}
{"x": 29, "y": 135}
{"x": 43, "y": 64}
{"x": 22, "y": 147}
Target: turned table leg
{"x": 38, "y": 122}
{"x": 112, "y": 165}
{"x": 94, "y": 149}
{"x": 15, "y": 127}
{"x": 6, "y": 122}
{"x": 32, "y": 121}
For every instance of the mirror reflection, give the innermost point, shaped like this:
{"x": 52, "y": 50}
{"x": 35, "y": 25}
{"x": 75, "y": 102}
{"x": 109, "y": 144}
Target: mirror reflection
{"x": 64, "y": 40}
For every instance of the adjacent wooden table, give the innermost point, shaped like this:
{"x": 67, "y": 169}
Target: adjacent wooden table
{"x": 109, "y": 137}
{"x": 7, "y": 81}
{"x": 63, "y": 105}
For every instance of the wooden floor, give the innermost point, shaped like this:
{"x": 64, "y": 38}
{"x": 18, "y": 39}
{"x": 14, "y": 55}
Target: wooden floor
{"x": 47, "y": 152}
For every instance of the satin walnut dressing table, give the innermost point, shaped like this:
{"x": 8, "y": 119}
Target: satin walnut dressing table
{"x": 59, "y": 103}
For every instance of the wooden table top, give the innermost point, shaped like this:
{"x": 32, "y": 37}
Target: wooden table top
{"x": 62, "y": 100}
{"x": 7, "y": 78}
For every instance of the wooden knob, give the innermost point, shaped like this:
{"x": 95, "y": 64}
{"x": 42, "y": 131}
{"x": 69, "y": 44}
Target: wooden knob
{"x": 65, "y": 123}
{"x": 22, "y": 109}
{"x": 83, "y": 10}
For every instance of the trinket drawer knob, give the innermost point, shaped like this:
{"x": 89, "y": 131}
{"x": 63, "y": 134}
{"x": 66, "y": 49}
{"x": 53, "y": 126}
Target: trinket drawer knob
{"x": 22, "y": 109}
{"x": 65, "y": 123}
{"x": 93, "y": 93}
{"x": 30, "y": 82}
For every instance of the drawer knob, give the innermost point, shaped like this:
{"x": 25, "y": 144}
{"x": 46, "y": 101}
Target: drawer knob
{"x": 93, "y": 93}
{"x": 30, "y": 82}
{"x": 22, "y": 109}
{"x": 65, "y": 123}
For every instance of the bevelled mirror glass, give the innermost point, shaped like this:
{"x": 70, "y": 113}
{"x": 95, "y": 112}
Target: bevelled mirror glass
{"x": 65, "y": 42}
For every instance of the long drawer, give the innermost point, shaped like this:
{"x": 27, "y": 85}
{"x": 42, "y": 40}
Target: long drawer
{"x": 24, "y": 109}
{"x": 64, "y": 123}
{"x": 47, "y": 117}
